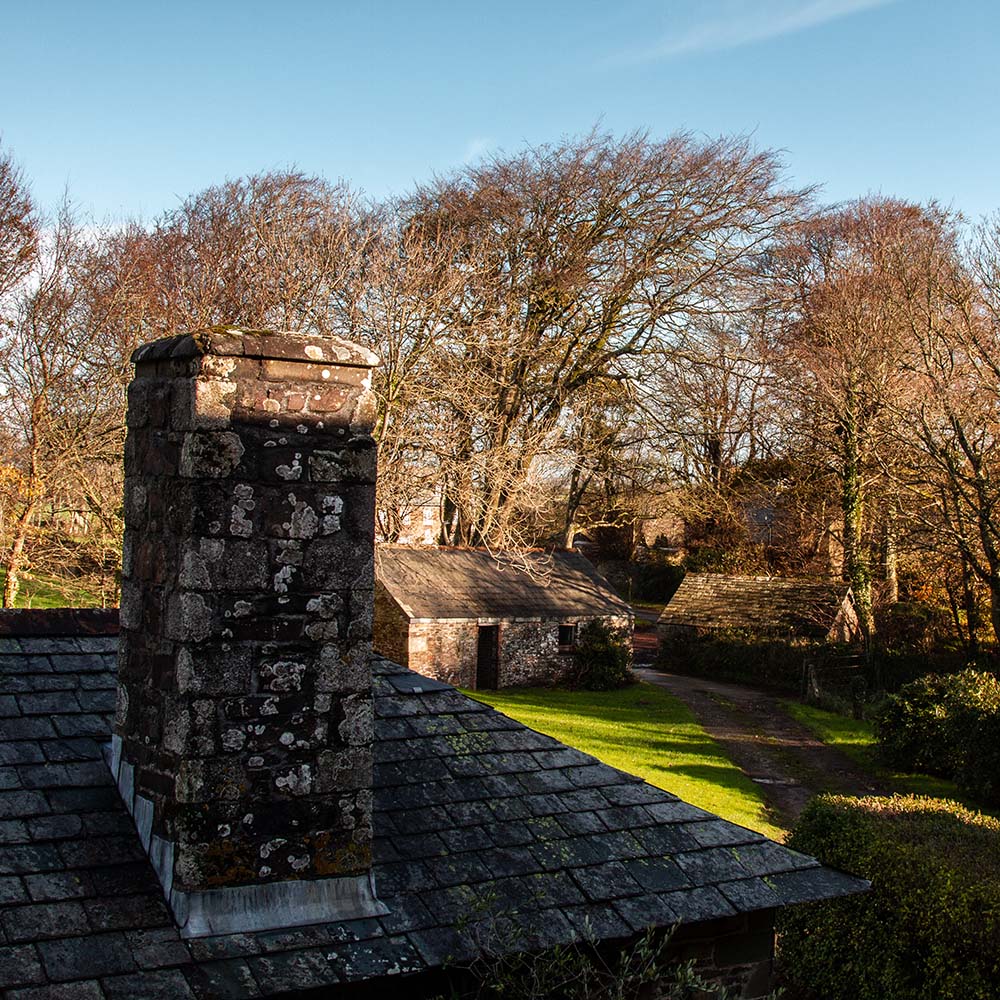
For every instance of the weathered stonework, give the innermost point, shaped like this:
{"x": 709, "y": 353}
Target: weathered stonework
{"x": 244, "y": 719}
{"x": 447, "y": 649}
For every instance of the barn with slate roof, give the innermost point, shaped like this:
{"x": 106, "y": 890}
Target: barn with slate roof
{"x": 479, "y": 620}
{"x": 776, "y": 607}
{"x": 225, "y": 795}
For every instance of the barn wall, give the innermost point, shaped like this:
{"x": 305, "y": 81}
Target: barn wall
{"x": 389, "y": 632}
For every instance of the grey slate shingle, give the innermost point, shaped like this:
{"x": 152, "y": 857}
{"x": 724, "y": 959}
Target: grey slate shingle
{"x": 478, "y": 821}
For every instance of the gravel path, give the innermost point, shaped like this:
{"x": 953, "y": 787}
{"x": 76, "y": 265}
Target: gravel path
{"x": 788, "y": 763}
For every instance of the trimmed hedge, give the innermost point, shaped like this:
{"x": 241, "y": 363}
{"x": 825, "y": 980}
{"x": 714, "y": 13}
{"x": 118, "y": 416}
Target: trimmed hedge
{"x": 946, "y": 725}
{"x": 930, "y": 927}
{"x": 602, "y": 657}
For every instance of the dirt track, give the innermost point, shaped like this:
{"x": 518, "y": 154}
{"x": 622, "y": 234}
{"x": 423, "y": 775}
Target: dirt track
{"x": 788, "y": 763}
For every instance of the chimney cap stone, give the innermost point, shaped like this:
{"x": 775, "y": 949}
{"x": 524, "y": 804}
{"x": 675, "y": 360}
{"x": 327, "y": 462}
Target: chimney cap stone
{"x": 242, "y": 342}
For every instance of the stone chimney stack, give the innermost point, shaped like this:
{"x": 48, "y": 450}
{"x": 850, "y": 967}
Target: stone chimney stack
{"x": 243, "y": 736}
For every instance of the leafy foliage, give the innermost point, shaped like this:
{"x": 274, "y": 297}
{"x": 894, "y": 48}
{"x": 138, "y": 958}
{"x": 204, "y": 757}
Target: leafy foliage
{"x": 602, "y": 657}
{"x": 947, "y": 725}
{"x": 930, "y": 927}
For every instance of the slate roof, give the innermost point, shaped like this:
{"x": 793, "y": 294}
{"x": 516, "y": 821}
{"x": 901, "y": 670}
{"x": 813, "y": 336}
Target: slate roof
{"x": 475, "y": 815}
{"x": 790, "y": 605}
{"x": 471, "y": 583}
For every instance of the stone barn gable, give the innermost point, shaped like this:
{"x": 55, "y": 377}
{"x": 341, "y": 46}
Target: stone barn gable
{"x": 474, "y": 619}
{"x": 782, "y": 607}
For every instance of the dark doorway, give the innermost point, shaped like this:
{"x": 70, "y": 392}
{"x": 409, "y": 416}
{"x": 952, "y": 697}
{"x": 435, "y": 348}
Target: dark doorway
{"x": 488, "y": 657}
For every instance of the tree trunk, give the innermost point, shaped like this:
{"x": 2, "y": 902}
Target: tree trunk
{"x": 15, "y": 558}
{"x": 890, "y": 553}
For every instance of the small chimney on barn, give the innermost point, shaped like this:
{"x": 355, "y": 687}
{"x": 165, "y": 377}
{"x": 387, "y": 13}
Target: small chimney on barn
{"x": 243, "y": 734}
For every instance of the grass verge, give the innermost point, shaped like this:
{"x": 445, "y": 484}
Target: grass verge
{"x": 38, "y": 591}
{"x": 646, "y": 731}
{"x": 856, "y": 738}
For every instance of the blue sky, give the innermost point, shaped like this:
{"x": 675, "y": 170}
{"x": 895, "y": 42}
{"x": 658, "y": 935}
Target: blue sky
{"x": 134, "y": 105}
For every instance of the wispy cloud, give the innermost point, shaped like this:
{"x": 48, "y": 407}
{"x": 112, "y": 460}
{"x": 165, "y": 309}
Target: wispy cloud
{"x": 737, "y": 23}
{"x": 475, "y": 148}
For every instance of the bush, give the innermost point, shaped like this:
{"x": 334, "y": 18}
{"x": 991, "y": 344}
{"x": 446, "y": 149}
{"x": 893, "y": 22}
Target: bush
{"x": 943, "y": 725}
{"x": 602, "y": 657}
{"x": 744, "y": 657}
{"x": 930, "y": 927}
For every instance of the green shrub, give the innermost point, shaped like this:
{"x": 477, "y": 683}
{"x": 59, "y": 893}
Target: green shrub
{"x": 930, "y": 927}
{"x": 602, "y": 657}
{"x": 939, "y": 724}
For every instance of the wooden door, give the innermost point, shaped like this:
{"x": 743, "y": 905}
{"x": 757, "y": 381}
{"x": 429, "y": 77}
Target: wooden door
{"x": 488, "y": 657}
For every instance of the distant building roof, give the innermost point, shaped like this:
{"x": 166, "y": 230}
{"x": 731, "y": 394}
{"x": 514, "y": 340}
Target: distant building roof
{"x": 790, "y": 605}
{"x": 472, "y": 583}
{"x": 476, "y": 817}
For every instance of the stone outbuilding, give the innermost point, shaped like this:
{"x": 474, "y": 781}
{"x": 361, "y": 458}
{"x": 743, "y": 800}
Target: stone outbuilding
{"x": 771, "y": 607}
{"x": 226, "y": 795}
{"x": 477, "y": 620}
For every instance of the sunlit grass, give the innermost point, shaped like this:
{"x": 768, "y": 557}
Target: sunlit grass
{"x": 39, "y": 591}
{"x": 856, "y": 738}
{"x": 646, "y": 731}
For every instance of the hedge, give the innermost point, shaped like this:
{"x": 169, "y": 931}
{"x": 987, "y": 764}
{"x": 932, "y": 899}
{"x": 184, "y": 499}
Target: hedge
{"x": 946, "y": 725}
{"x": 930, "y": 927}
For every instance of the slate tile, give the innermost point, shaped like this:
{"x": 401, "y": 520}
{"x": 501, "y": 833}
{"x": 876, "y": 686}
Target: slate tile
{"x": 97, "y": 643}
{"x": 470, "y": 813}
{"x": 97, "y": 682}
{"x": 224, "y": 980}
{"x": 665, "y": 840}
{"x": 657, "y": 875}
{"x": 76, "y": 663}
{"x": 407, "y": 913}
{"x": 593, "y": 775}
{"x": 10, "y": 778}
{"x": 318, "y": 935}
{"x": 469, "y": 838}
{"x": 55, "y": 827}
{"x": 625, "y": 817}
{"x": 161, "y": 954}
{"x": 814, "y": 883}
{"x": 13, "y": 831}
{"x": 108, "y": 824}
{"x": 82, "y": 725}
{"x": 676, "y": 812}
{"x": 403, "y": 877}
{"x": 225, "y": 947}
{"x": 713, "y": 864}
{"x": 543, "y": 805}
{"x": 45, "y": 644}
{"x": 97, "y": 701}
{"x": 81, "y": 748}
{"x": 719, "y": 833}
{"x": 643, "y": 912}
{"x": 124, "y": 879}
{"x": 610, "y": 880}
{"x": 36, "y": 922}
{"x": 78, "y": 774}
{"x": 544, "y": 828}
{"x": 21, "y": 752}
{"x": 545, "y": 781}
{"x": 619, "y": 844}
{"x": 576, "y": 824}
{"x": 562, "y": 757}
{"x": 636, "y": 793}
{"x": 421, "y": 845}
{"x": 8, "y": 706}
{"x": 21, "y": 859}
{"x": 99, "y": 851}
{"x": 443, "y": 946}
{"x": 12, "y": 890}
{"x": 380, "y": 957}
{"x": 546, "y": 929}
{"x": 596, "y": 923}
{"x": 19, "y": 965}
{"x": 507, "y": 809}
{"x": 692, "y": 905}
{"x": 549, "y": 889}
{"x": 505, "y": 862}
{"x": 768, "y": 858}
{"x": 31, "y": 728}
{"x": 750, "y": 894}
{"x": 583, "y": 800}
{"x": 54, "y": 886}
{"x": 160, "y": 984}
{"x": 511, "y": 834}
{"x": 87, "y": 957}
{"x": 297, "y": 970}
{"x": 487, "y": 722}
{"x": 48, "y": 703}
{"x": 82, "y": 989}
{"x": 421, "y": 820}
{"x": 128, "y": 912}
{"x": 98, "y": 798}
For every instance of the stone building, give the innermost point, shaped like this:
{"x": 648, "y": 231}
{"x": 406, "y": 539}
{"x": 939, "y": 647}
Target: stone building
{"x": 773, "y": 607}
{"x": 230, "y": 797}
{"x": 475, "y": 620}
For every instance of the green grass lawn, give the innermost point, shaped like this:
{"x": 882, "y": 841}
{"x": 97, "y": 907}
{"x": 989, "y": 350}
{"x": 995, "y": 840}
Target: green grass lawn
{"x": 39, "y": 591}
{"x": 856, "y": 738}
{"x": 646, "y": 731}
